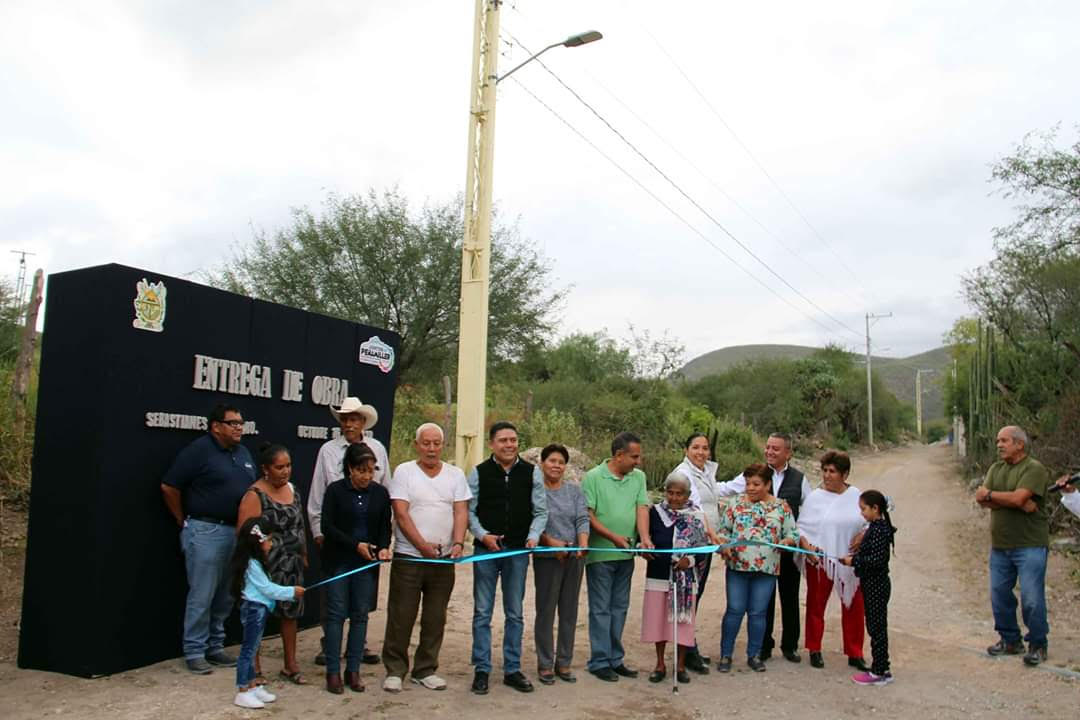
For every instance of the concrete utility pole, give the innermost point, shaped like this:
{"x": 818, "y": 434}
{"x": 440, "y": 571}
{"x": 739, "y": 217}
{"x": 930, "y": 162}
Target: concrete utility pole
{"x": 918, "y": 400}
{"x": 476, "y": 247}
{"x": 869, "y": 384}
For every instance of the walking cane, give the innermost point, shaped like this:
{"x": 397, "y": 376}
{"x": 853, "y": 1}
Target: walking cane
{"x": 674, "y": 631}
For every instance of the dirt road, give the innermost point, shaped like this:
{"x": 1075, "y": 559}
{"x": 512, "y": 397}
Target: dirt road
{"x": 939, "y": 621}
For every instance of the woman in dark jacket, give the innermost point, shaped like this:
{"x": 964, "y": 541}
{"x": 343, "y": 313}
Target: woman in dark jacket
{"x": 356, "y": 525}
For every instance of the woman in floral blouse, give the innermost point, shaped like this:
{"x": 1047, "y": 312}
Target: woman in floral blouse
{"x": 752, "y": 569}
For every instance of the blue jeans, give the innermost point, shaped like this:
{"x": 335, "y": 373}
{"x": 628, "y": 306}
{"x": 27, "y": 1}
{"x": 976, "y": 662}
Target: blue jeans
{"x": 609, "y": 600}
{"x": 349, "y": 598}
{"x": 253, "y": 617}
{"x": 485, "y": 574}
{"x": 747, "y": 593}
{"x": 1029, "y": 565}
{"x": 207, "y": 548}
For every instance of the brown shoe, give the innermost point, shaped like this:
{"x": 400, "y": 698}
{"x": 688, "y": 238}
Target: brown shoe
{"x": 352, "y": 679}
{"x": 333, "y": 683}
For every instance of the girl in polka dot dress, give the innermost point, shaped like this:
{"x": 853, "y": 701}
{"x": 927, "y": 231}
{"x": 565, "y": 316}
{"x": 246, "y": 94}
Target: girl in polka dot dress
{"x": 871, "y": 563}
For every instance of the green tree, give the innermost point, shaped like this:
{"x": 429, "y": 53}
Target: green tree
{"x": 370, "y": 259}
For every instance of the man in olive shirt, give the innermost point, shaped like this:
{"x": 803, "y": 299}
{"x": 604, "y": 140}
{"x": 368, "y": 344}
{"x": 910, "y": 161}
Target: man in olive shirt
{"x": 618, "y": 516}
{"x": 1014, "y": 491}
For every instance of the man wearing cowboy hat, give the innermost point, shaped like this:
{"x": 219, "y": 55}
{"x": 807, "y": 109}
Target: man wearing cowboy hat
{"x": 356, "y": 420}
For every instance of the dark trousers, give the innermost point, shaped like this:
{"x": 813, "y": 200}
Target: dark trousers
{"x": 701, "y": 591}
{"x": 558, "y": 587}
{"x": 411, "y": 583}
{"x": 876, "y": 592}
{"x": 348, "y": 598}
{"x": 787, "y": 587}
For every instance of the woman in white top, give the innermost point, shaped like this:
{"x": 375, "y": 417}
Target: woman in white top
{"x": 703, "y": 493}
{"x": 829, "y": 521}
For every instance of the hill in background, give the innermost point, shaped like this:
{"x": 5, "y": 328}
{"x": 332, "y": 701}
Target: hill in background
{"x": 898, "y": 374}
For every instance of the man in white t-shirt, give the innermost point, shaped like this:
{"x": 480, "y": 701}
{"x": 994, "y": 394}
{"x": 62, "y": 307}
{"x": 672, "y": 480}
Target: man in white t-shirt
{"x": 431, "y": 512}
{"x": 356, "y": 420}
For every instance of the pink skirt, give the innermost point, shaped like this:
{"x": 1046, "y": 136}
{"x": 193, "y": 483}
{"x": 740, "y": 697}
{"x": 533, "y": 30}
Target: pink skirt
{"x": 655, "y": 626}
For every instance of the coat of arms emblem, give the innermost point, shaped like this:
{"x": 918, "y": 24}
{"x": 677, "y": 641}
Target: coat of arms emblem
{"x": 149, "y": 306}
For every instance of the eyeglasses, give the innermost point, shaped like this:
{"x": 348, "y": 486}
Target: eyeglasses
{"x": 233, "y": 423}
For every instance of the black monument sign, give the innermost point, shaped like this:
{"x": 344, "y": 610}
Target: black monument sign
{"x": 131, "y": 363}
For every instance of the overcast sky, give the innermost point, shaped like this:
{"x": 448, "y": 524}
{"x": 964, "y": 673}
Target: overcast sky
{"x": 846, "y": 144}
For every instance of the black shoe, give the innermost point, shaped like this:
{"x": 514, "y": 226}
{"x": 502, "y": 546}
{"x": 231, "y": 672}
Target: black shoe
{"x": 1035, "y": 655}
{"x": 370, "y": 658}
{"x": 657, "y": 676}
{"x": 792, "y": 656}
{"x": 765, "y": 654}
{"x": 724, "y": 665}
{"x": 816, "y": 660}
{"x": 221, "y": 658}
{"x": 682, "y": 676}
{"x": 1003, "y": 648}
{"x": 859, "y": 664}
{"x": 605, "y": 674}
{"x": 705, "y": 659}
{"x": 626, "y": 672}
{"x": 756, "y": 664}
{"x": 696, "y": 663}
{"x": 518, "y": 681}
{"x": 320, "y": 659}
{"x": 480, "y": 683}
{"x": 199, "y": 666}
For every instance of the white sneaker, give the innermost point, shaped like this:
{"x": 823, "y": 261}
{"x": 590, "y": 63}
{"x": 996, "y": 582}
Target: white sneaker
{"x": 431, "y": 682}
{"x": 263, "y": 694}
{"x": 392, "y": 683}
{"x": 248, "y": 699}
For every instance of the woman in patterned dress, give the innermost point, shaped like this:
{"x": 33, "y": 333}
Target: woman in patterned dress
{"x": 752, "y": 569}
{"x": 274, "y": 497}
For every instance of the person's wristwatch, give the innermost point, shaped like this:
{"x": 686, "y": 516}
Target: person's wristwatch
{"x": 989, "y": 495}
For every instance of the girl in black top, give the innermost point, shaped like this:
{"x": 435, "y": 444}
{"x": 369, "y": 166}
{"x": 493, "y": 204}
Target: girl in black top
{"x": 356, "y": 525}
{"x": 871, "y": 563}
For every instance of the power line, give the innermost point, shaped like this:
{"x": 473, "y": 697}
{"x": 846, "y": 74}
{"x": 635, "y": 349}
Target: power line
{"x": 753, "y": 157}
{"x": 686, "y": 195}
{"x": 730, "y": 198}
{"x": 670, "y": 209}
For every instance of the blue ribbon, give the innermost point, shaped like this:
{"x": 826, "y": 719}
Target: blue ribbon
{"x": 477, "y": 557}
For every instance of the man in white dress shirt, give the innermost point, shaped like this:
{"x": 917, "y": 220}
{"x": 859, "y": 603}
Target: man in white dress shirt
{"x": 356, "y": 420}
{"x": 788, "y": 484}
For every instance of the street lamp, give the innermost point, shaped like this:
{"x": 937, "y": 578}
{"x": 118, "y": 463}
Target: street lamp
{"x": 572, "y": 41}
{"x": 476, "y": 245}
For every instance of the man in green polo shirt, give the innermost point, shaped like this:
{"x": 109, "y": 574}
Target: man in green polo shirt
{"x": 618, "y": 517}
{"x": 1014, "y": 491}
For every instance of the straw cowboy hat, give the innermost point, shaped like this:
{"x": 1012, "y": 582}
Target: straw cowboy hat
{"x": 353, "y": 405}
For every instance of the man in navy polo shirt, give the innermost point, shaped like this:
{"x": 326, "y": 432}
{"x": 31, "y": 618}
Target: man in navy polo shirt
{"x": 202, "y": 491}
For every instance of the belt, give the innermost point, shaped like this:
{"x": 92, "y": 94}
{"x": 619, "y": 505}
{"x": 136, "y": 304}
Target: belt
{"x": 214, "y": 520}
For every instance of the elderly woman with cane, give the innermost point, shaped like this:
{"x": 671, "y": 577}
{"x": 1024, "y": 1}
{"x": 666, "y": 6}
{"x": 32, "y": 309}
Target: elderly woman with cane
{"x": 671, "y": 579}
{"x": 766, "y": 523}
{"x": 705, "y": 493}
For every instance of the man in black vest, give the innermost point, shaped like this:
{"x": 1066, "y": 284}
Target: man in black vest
{"x": 791, "y": 485}
{"x": 508, "y": 511}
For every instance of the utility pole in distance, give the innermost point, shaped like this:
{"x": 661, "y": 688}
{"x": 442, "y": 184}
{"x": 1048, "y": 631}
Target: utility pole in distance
{"x": 918, "y": 400}
{"x": 869, "y": 385}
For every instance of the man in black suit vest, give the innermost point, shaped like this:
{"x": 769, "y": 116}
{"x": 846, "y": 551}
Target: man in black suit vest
{"x": 508, "y": 511}
{"x": 791, "y": 485}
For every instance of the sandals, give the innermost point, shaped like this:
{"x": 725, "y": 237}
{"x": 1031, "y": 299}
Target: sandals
{"x": 547, "y": 677}
{"x": 295, "y": 677}
{"x": 565, "y": 675}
